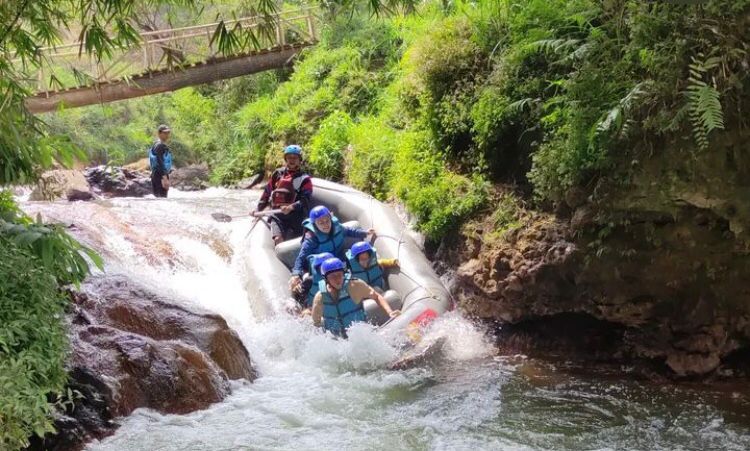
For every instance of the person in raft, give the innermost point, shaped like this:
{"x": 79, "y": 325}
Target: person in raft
{"x": 364, "y": 264}
{"x": 288, "y": 190}
{"x": 311, "y": 280}
{"x": 339, "y": 301}
{"x": 323, "y": 233}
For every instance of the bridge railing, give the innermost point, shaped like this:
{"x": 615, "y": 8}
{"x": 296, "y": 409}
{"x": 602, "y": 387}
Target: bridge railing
{"x": 67, "y": 66}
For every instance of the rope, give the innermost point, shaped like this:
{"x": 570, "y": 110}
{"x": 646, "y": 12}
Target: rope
{"x": 399, "y": 240}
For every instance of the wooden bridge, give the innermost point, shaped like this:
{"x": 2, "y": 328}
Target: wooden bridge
{"x": 170, "y": 59}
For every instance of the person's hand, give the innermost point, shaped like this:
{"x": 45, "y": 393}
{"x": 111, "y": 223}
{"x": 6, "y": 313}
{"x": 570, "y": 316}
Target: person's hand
{"x": 371, "y": 232}
{"x": 295, "y": 284}
{"x": 165, "y": 182}
{"x": 394, "y": 313}
{"x": 253, "y": 212}
{"x": 286, "y": 209}
{"x": 306, "y": 312}
{"x": 396, "y": 263}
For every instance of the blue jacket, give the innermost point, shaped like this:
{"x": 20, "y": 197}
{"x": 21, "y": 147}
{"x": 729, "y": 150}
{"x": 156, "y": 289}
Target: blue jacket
{"x": 311, "y": 243}
{"x": 372, "y": 276}
{"x": 340, "y": 313}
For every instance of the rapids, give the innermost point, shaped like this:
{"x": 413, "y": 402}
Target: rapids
{"x": 315, "y": 393}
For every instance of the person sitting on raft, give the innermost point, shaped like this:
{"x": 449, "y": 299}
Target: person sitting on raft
{"x": 323, "y": 233}
{"x": 339, "y": 302}
{"x": 288, "y": 190}
{"x": 364, "y": 264}
{"x": 311, "y": 280}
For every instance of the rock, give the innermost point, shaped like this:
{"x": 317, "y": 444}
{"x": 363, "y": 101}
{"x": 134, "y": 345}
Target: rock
{"x": 190, "y": 178}
{"x": 688, "y": 364}
{"x": 249, "y": 182}
{"x": 118, "y": 182}
{"x": 61, "y": 184}
{"x": 143, "y": 165}
{"x": 131, "y": 348}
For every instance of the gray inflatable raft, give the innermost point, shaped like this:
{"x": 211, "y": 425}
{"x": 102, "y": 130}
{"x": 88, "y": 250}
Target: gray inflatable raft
{"x": 421, "y": 295}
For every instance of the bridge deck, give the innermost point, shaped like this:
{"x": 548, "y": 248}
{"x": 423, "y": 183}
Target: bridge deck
{"x": 165, "y": 80}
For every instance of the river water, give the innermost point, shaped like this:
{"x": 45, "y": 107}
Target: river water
{"x": 314, "y": 393}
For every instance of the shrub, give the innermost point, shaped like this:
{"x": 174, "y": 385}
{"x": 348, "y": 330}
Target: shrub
{"x": 326, "y": 149}
{"x": 32, "y": 345}
{"x": 373, "y": 145}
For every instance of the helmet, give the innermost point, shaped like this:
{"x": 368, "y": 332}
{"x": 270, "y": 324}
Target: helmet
{"x": 320, "y": 258}
{"x": 293, "y": 149}
{"x": 318, "y": 212}
{"x": 361, "y": 247}
{"x": 331, "y": 265}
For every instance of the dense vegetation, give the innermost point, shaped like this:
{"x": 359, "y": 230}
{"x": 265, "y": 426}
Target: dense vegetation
{"x": 430, "y": 107}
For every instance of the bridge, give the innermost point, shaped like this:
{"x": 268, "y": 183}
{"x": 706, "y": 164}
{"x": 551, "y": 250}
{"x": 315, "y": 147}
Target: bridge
{"x": 171, "y": 59}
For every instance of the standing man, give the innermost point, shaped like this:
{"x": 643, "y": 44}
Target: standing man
{"x": 160, "y": 158}
{"x": 288, "y": 190}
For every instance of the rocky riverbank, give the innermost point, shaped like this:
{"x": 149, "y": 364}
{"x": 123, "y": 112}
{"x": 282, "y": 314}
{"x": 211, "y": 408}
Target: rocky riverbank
{"x": 132, "y": 348}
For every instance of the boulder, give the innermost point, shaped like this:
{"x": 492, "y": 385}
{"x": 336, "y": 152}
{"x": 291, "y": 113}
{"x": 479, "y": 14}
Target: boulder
{"x": 130, "y": 349}
{"x": 190, "y": 178}
{"x": 58, "y": 184}
{"x": 112, "y": 181}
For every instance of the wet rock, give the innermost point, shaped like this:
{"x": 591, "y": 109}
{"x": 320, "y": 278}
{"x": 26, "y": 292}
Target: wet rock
{"x": 112, "y": 181}
{"x": 249, "y": 182}
{"x": 131, "y": 348}
{"x": 190, "y": 178}
{"x": 57, "y": 184}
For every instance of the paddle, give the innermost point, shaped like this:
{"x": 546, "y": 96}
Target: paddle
{"x": 223, "y": 217}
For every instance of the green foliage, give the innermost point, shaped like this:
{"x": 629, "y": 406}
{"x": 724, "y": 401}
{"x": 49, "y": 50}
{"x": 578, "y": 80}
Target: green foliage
{"x": 373, "y": 145}
{"x": 328, "y": 145}
{"x": 32, "y": 345}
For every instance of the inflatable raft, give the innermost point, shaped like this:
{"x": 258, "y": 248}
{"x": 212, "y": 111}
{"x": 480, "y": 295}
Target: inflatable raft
{"x": 419, "y": 293}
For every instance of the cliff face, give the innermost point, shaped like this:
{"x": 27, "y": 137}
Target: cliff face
{"x": 659, "y": 251}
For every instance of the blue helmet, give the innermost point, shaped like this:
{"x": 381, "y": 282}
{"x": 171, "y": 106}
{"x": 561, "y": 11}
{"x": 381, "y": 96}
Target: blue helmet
{"x": 293, "y": 149}
{"x": 361, "y": 247}
{"x": 331, "y": 265}
{"x": 320, "y": 258}
{"x": 318, "y": 212}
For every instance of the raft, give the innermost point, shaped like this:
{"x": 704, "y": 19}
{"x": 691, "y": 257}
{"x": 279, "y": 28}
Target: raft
{"x": 419, "y": 293}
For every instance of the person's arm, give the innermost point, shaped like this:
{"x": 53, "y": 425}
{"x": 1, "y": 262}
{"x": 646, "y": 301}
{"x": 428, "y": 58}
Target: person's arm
{"x": 388, "y": 263}
{"x": 264, "y": 198}
{"x": 317, "y": 309}
{"x": 304, "y": 196}
{"x": 308, "y": 245}
{"x": 356, "y": 232}
{"x": 360, "y": 291}
{"x": 159, "y": 150}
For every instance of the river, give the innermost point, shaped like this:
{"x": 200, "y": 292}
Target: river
{"x": 314, "y": 393}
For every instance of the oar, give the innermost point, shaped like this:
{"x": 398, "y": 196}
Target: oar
{"x": 223, "y": 217}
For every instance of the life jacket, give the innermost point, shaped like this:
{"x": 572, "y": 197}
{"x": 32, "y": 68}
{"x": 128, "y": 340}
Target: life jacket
{"x": 332, "y": 242}
{"x": 154, "y": 162}
{"x": 373, "y": 275}
{"x": 339, "y": 314}
{"x": 287, "y": 188}
{"x": 316, "y": 278}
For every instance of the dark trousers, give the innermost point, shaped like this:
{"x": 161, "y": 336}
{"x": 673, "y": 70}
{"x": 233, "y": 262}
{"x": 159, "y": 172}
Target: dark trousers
{"x": 287, "y": 226}
{"x": 159, "y": 190}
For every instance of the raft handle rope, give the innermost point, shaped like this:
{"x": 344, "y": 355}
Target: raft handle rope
{"x": 399, "y": 240}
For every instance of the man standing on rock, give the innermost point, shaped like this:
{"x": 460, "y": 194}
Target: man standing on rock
{"x": 160, "y": 158}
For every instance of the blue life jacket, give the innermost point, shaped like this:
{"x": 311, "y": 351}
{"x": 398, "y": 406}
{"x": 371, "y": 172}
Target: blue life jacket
{"x": 338, "y": 315}
{"x": 372, "y": 276}
{"x": 316, "y": 278}
{"x": 154, "y": 162}
{"x": 327, "y": 242}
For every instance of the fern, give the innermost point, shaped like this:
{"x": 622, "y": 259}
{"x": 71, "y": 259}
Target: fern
{"x": 703, "y": 100}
